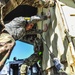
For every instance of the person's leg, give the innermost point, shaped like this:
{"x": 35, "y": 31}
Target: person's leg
{"x": 33, "y": 58}
{"x": 28, "y": 62}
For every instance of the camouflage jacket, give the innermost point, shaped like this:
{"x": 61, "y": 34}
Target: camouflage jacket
{"x": 6, "y": 45}
{"x": 17, "y": 27}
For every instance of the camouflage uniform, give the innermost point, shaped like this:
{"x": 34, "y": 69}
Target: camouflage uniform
{"x": 15, "y": 30}
{"x": 9, "y": 5}
{"x": 34, "y": 58}
{"x": 16, "y": 27}
{"x": 6, "y": 45}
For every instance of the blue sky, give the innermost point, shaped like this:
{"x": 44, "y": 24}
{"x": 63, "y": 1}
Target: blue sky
{"x": 21, "y": 50}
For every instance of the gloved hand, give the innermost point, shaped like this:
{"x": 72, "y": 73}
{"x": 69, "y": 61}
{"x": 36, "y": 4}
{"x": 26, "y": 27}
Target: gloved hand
{"x": 23, "y": 69}
{"x": 35, "y": 18}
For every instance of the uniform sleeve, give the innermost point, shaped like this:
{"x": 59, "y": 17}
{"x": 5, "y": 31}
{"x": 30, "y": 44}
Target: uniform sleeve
{"x": 16, "y": 27}
{"x": 18, "y": 19}
{"x": 6, "y": 45}
{"x": 36, "y": 18}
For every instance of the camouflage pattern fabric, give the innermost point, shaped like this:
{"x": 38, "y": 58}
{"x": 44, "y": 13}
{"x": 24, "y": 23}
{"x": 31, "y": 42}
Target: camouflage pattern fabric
{"x": 29, "y": 62}
{"x": 16, "y": 27}
{"x": 6, "y": 45}
{"x": 12, "y": 4}
{"x": 33, "y": 58}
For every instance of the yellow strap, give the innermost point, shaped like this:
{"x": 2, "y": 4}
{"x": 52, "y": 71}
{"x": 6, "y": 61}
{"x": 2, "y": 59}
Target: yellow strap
{"x": 27, "y": 18}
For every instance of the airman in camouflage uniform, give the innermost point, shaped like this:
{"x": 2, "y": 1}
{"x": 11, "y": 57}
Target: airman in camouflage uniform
{"x": 16, "y": 30}
{"x": 6, "y": 45}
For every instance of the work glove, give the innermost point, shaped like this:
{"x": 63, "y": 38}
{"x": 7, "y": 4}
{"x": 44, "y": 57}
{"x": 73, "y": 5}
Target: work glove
{"x": 23, "y": 69}
{"x": 35, "y": 19}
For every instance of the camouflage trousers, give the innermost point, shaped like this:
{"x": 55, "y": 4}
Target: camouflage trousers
{"x": 29, "y": 62}
{"x": 33, "y": 58}
{"x": 6, "y": 45}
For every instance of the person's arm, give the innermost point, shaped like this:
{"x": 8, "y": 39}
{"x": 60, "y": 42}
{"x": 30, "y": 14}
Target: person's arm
{"x": 6, "y": 45}
{"x": 5, "y": 55}
{"x": 8, "y": 48}
{"x": 35, "y": 19}
{"x": 2, "y": 62}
